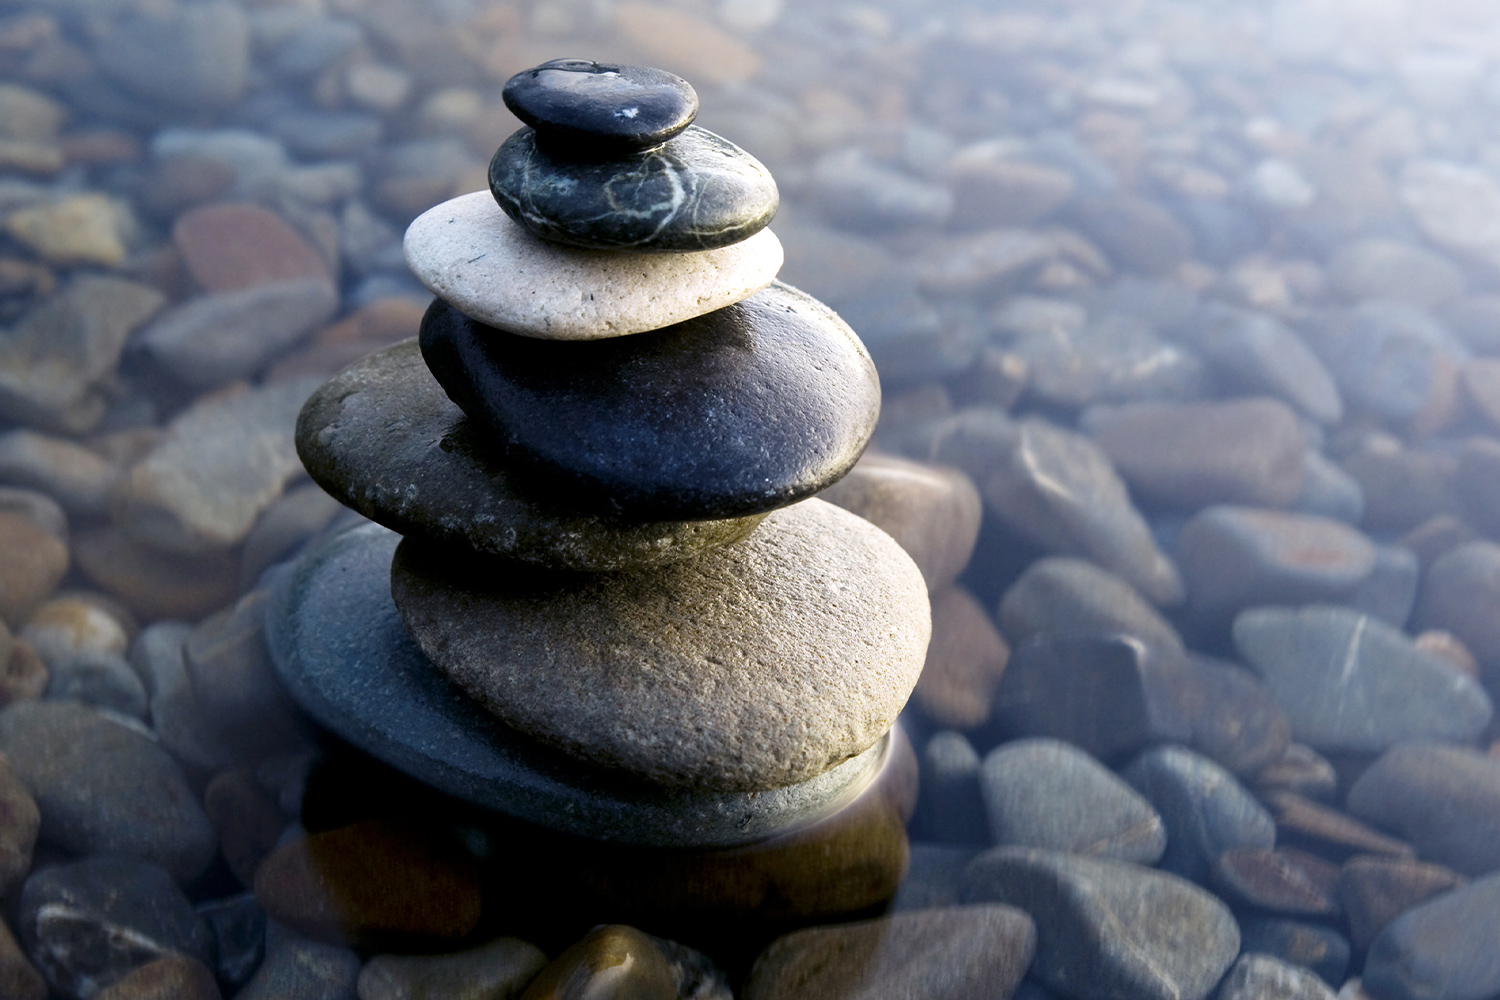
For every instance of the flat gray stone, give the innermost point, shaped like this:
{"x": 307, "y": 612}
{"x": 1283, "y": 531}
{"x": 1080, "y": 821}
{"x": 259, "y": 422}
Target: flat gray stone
{"x": 472, "y": 255}
{"x": 1204, "y": 809}
{"x": 220, "y": 464}
{"x": 297, "y": 968}
{"x": 55, "y": 362}
{"x": 104, "y": 787}
{"x": 1262, "y": 354}
{"x": 342, "y": 651}
{"x": 1057, "y": 489}
{"x": 1111, "y": 930}
{"x": 1445, "y": 800}
{"x": 1245, "y": 451}
{"x": 1350, "y": 682}
{"x": 1066, "y": 596}
{"x": 234, "y": 334}
{"x": 748, "y": 668}
{"x": 1234, "y": 557}
{"x": 383, "y": 438}
{"x": 1459, "y": 594}
{"x": 1441, "y": 950}
{"x": 1050, "y": 794}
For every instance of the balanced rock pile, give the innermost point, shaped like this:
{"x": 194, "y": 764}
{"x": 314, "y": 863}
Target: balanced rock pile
{"x": 617, "y": 612}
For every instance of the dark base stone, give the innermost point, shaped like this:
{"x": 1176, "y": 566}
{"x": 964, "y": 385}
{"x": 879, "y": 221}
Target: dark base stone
{"x": 344, "y": 655}
{"x": 740, "y": 411}
{"x": 382, "y": 438}
{"x": 697, "y": 191}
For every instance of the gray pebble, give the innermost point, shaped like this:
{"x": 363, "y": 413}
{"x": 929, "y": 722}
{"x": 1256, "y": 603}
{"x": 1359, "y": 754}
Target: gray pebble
{"x": 1445, "y": 800}
{"x": 1109, "y": 928}
{"x": 1349, "y": 682}
{"x": 104, "y": 788}
{"x": 1205, "y": 810}
{"x": 1441, "y": 950}
{"x": 1049, "y": 794}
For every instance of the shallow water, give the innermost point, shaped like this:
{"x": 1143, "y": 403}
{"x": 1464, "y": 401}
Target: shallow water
{"x": 1187, "y": 320}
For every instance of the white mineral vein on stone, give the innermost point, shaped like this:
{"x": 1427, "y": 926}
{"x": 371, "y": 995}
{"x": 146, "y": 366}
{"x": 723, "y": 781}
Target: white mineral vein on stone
{"x": 471, "y": 254}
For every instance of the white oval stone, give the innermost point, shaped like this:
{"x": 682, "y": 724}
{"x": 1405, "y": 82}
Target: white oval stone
{"x": 470, "y": 254}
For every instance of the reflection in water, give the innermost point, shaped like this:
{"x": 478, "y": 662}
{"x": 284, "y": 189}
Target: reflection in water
{"x": 1196, "y": 305}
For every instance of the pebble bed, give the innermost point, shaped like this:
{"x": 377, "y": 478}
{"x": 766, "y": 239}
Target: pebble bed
{"x": 1188, "y": 323}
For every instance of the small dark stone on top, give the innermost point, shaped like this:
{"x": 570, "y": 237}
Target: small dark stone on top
{"x": 601, "y": 108}
{"x": 698, "y": 191}
{"x": 744, "y": 410}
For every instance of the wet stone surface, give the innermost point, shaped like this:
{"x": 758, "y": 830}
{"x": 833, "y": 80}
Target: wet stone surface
{"x": 599, "y": 107}
{"x": 384, "y": 439}
{"x": 1122, "y": 270}
{"x": 741, "y": 411}
{"x": 696, "y": 191}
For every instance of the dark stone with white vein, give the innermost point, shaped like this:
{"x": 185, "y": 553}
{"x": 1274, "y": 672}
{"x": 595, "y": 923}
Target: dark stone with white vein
{"x": 697, "y": 191}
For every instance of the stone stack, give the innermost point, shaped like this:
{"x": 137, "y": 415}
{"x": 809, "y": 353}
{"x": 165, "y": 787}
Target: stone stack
{"x": 617, "y": 610}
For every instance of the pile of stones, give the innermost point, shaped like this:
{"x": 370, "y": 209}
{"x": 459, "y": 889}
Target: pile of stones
{"x": 602, "y": 451}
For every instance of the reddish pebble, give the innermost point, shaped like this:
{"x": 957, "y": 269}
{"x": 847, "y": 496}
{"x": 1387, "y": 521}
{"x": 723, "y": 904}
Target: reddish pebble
{"x": 228, "y": 246}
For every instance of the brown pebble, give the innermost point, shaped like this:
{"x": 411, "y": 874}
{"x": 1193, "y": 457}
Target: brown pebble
{"x": 1283, "y": 880}
{"x": 1327, "y": 828}
{"x": 965, "y": 660}
{"x": 229, "y": 246}
{"x": 32, "y": 561}
{"x": 155, "y": 584}
{"x": 246, "y": 818}
{"x": 1301, "y": 770}
{"x": 25, "y": 675}
{"x": 171, "y": 977}
{"x": 369, "y": 328}
{"x": 19, "y": 823}
{"x": 931, "y": 511}
{"x": 614, "y": 961}
{"x": 102, "y": 145}
{"x": 374, "y": 883}
{"x": 1376, "y": 890}
{"x": 18, "y": 979}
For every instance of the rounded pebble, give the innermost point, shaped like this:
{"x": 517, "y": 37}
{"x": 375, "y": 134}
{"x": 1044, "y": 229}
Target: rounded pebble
{"x": 490, "y": 268}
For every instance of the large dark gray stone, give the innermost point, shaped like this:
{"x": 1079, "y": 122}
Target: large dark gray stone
{"x": 1110, "y": 930}
{"x": 383, "y": 438}
{"x": 749, "y": 408}
{"x": 342, "y": 651}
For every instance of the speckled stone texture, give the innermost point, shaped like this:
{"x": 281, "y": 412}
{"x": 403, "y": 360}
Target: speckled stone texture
{"x": 593, "y": 107}
{"x": 470, "y": 253}
{"x": 698, "y": 191}
{"x": 747, "y": 409}
{"x": 747, "y": 668}
{"x": 383, "y": 439}
{"x": 341, "y": 650}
